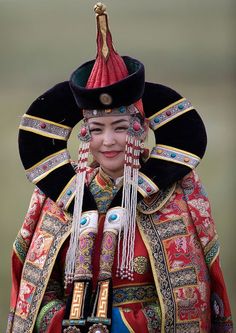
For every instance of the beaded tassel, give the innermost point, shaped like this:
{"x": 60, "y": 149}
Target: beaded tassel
{"x": 129, "y": 200}
{"x": 80, "y": 181}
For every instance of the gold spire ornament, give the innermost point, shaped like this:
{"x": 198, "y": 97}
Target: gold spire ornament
{"x": 102, "y": 26}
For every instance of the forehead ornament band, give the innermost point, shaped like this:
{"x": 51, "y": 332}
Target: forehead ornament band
{"x": 121, "y": 111}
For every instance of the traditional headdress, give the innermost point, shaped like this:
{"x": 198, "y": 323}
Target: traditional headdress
{"x": 109, "y": 85}
{"x": 104, "y": 95}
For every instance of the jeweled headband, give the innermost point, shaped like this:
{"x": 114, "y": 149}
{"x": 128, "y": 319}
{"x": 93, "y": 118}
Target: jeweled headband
{"x": 121, "y": 111}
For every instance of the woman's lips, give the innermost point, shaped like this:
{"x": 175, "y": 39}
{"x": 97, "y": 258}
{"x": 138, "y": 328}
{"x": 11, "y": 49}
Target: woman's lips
{"x": 110, "y": 154}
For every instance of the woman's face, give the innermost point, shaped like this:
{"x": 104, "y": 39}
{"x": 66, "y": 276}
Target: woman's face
{"x": 108, "y": 142}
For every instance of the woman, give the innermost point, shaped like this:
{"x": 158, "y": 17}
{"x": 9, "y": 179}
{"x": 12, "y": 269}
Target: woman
{"x": 130, "y": 245}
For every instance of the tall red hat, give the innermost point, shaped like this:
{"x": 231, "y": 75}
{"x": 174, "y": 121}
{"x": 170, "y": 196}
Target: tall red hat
{"x": 109, "y": 67}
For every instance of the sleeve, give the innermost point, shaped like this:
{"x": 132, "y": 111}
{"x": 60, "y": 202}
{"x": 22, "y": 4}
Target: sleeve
{"x": 52, "y": 308}
{"x": 199, "y": 207}
{"x": 21, "y": 246}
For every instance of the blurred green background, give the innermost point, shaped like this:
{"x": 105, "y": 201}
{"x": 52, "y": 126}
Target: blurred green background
{"x": 188, "y": 45}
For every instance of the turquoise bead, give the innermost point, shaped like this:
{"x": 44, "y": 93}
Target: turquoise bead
{"x": 112, "y": 217}
{"x": 156, "y": 120}
{"x": 173, "y": 155}
{"x": 122, "y": 109}
{"x": 83, "y": 221}
{"x": 181, "y": 106}
{"x": 140, "y": 180}
{"x": 69, "y": 192}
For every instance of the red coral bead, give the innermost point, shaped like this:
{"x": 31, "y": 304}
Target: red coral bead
{"x": 83, "y": 131}
{"x": 136, "y": 126}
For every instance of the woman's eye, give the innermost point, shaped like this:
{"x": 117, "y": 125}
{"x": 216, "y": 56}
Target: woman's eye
{"x": 119, "y": 129}
{"x": 95, "y": 130}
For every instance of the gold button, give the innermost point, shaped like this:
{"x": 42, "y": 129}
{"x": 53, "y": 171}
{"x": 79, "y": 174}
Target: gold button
{"x": 141, "y": 265}
{"x": 105, "y": 99}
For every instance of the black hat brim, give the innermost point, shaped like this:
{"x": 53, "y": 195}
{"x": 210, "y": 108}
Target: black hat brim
{"x": 57, "y": 105}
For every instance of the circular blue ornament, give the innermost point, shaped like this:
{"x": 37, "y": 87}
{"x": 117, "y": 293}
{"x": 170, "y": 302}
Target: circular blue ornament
{"x": 69, "y": 192}
{"x": 83, "y": 221}
{"x": 173, "y": 155}
{"x": 180, "y": 106}
{"x": 112, "y": 217}
{"x": 156, "y": 120}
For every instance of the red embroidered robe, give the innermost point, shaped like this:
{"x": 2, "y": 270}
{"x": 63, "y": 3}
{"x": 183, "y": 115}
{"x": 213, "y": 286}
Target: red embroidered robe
{"x": 175, "y": 233}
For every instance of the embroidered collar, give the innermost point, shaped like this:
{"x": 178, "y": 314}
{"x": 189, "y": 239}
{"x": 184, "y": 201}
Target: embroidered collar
{"x": 108, "y": 181}
{"x": 103, "y": 189}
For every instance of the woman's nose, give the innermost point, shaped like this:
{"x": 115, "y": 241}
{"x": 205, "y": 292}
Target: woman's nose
{"x": 108, "y": 138}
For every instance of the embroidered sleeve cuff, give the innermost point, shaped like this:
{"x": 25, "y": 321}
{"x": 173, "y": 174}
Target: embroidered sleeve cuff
{"x": 46, "y": 315}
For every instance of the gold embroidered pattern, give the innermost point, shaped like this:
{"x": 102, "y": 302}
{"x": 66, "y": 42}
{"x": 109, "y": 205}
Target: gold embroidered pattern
{"x": 134, "y": 294}
{"x": 141, "y": 265}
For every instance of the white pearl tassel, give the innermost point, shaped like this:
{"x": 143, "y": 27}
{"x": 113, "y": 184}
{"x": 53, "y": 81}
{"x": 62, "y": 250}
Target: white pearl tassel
{"x": 75, "y": 229}
{"x": 129, "y": 202}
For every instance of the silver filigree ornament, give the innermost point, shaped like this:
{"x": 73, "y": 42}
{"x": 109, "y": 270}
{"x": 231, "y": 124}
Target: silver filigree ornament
{"x": 84, "y": 134}
{"x": 135, "y": 129}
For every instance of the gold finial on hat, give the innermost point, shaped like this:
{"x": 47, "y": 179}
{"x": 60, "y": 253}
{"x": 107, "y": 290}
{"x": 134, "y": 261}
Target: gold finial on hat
{"x": 102, "y": 26}
{"x": 99, "y": 8}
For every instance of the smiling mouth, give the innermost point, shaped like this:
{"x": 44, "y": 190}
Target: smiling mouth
{"x": 110, "y": 154}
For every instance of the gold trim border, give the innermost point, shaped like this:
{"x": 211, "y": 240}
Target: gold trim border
{"x": 64, "y": 191}
{"x": 173, "y": 116}
{"x": 162, "y": 305}
{"x": 150, "y": 182}
{"x": 48, "y": 135}
{"x": 159, "y": 157}
{"x": 44, "y": 133}
{"x": 46, "y": 121}
{"x": 46, "y": 173}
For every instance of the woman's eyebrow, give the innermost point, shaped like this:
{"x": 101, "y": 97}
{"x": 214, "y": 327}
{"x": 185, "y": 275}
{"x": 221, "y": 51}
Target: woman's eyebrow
{"x": 119, "y": 121}
{"x": 113, "y": 123}
{"x": 96, "y": 123}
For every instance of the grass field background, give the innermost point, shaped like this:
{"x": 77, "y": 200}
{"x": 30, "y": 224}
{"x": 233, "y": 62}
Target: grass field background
{"x": 187, "y": 45}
